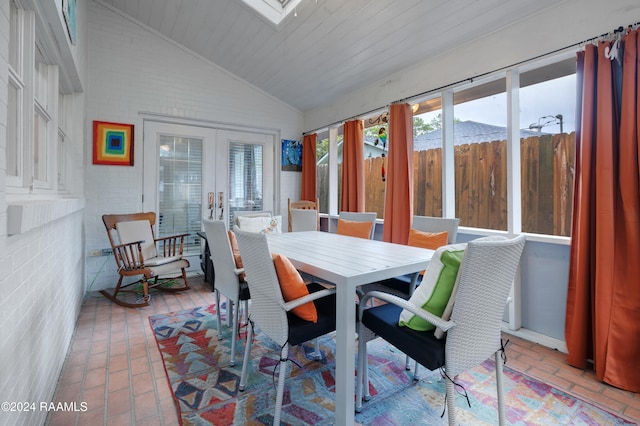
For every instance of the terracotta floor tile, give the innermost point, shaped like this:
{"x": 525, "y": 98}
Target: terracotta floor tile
{"x": 146, "y": 405}
{"x": 118, "y": 380}
{"x": 142, "y": 384}
{"x": 118, "y": 402}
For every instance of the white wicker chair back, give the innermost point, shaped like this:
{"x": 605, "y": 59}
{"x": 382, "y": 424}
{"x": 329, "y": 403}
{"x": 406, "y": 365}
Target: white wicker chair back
{"x": 438, "y": 224}
{"x": 226, "y": 280}
{"x": 486, "y": 275}
{"x": 361, "y": 217}
{"x": 267, "y": 304}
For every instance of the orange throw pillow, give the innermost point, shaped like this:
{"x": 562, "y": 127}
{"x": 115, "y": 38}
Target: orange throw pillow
{"x": 293, "y": 287}
{"x": 354, "y": 229}
{"x": 427, "y": 240}
{"x": 235, "y": 250}
{"x": 236, "y": 254}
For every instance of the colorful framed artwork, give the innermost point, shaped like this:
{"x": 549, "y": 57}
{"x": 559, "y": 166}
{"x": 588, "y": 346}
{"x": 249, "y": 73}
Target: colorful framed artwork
{"x": 291, "y": 156}
{"x": 112, "y": 143}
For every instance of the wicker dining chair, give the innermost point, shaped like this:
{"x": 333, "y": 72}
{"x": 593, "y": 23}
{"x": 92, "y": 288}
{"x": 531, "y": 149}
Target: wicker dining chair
{"x": 228, "y": 277}
{"x": 303, "y": 215}
{"x": 473, "y": 333}
{"x": 369, "y": 217}
{"x": 272, "y": 315}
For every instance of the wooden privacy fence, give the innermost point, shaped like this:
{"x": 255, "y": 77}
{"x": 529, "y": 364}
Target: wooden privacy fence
{"x": 547, "y": 174}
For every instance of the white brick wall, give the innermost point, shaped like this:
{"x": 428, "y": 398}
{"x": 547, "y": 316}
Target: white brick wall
{"x": 133, "y": 69}
{"x": 41, "y": 274}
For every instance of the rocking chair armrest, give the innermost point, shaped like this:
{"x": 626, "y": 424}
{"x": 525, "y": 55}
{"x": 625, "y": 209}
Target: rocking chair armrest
{"x": 170, "y": 245}
{"x": 171, "y": 237}
{"x": 405, "y": 304}
{"x": 308, "y": 298}
{"x": 129, "y": 256}
{"x": 133, "y": 243}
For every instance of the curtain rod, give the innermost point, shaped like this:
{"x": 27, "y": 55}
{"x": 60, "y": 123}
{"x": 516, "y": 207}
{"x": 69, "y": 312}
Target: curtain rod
{"x": 615, "y": 32}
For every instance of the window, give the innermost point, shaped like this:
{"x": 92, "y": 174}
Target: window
{"x": 376, "y": 149}
{"x": 15, "y": 100}
{"x": 180, "y": 189}
{"x": 547, "y": 138}
{"x": 61, "y": 152}
{"x": 32, "y": 108}
{"x": 474, "y": 182}
{"x": 45, "y": 106}
{"x": 322, "y": 170}
{"x": 427, "y": 158}
{"x": 479, "y": 137}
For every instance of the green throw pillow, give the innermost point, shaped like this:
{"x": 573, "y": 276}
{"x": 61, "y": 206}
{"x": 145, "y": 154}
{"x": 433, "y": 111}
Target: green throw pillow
{"x": 435, "y": 290}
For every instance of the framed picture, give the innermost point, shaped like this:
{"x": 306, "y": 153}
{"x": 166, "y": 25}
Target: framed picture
{"x": 69, "y": 12}
{"x": 291, "y": 156}
{"x": 112, "y": 143}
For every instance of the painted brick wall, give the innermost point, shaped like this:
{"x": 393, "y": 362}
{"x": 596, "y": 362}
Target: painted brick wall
{"x": 134, "y": 70}
{"x": 42, "y": 273}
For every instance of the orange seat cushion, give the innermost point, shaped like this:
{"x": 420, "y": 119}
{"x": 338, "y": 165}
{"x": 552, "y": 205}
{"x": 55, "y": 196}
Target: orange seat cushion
{"x": 293, "y": 287}
{"x": 428, "y": 240}
{"x": 353, "y": 228}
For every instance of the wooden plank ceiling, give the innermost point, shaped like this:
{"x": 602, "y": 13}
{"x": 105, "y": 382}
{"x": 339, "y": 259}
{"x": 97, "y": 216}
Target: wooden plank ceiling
{"x": 332, "y": 46}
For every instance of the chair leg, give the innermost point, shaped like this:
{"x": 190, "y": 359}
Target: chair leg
{"x": 235, "y": 313}
{"x": 451, "y": 402}
{"x": 316, "y": 354}
{"x": 281, "y": 377}
{"x": 500, "y": 389}
{"x": 218, "y": 315}
{"x": 246, "y": 360}
{"x": 416, "y": 374}
{"x": 229, "y": 312}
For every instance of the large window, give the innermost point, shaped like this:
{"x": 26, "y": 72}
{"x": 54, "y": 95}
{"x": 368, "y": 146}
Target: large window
{"x": 479, "y": 135}
{"x": 463, "y": 138}
{"x": 15, "y": 100}
{"x": 32, "y": 109}
{"x": 547, "y": 123}
{"x": 427, "y": 158}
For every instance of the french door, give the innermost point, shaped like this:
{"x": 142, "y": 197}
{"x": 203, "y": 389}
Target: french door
{"x": 191, "y": 172}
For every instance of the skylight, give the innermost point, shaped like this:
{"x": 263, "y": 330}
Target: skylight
{"x": 273, "y": 10}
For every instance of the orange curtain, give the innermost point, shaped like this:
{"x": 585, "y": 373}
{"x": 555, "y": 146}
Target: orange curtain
{"x": 352, "y": 198}
{"x": 603, "y": 300}
{"x": 308, "y": 191}
{"x": 398, "y": 202}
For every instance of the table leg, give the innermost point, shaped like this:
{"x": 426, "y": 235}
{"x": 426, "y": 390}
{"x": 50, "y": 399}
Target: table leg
{"x": 345, "y": 354}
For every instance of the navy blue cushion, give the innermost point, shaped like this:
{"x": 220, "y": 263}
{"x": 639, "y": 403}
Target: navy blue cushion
{"x": 421, "y": 346}
{"x": 400, "y": 283}
{"x": 244, "y": 291}
{"x": 301, "y": 331}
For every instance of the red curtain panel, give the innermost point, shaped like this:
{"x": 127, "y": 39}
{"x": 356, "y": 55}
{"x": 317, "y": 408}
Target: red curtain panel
{"x": 352, "y": 197}
{"x": 603, "y": 300}
{"x": 308, "y": 190}
{"x": 398, "y": 210}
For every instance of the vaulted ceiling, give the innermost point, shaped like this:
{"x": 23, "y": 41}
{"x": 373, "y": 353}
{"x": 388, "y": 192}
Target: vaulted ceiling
{"x": 326, "y": 48}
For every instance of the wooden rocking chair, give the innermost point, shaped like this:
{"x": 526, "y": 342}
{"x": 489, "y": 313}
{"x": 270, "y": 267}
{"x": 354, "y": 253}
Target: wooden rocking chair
{"x": 138, "y": 253}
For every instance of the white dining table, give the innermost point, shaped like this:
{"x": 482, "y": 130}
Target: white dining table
{"x": 347, "y": 262}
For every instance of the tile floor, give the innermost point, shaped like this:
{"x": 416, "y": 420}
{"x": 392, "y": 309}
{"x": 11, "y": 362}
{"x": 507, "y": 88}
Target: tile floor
{"x": 115, "y": 367}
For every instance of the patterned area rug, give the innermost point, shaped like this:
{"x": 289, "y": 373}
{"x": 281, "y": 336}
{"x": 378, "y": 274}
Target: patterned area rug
{"x": 205, "y": 386}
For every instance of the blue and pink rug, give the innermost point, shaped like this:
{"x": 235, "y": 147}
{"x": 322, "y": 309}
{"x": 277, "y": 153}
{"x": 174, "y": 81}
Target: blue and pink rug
{"x": 205, "y": 386}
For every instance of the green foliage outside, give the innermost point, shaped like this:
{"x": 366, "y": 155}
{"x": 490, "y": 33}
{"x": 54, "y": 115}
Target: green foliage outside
{"x": 420, "y": 127}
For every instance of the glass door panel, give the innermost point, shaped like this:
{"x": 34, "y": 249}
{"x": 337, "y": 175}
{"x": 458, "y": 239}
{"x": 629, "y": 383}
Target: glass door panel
{"x": 180, "y": 189}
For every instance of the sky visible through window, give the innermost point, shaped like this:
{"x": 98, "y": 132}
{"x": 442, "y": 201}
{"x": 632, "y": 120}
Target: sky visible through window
{"x": 539, "y": 104}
